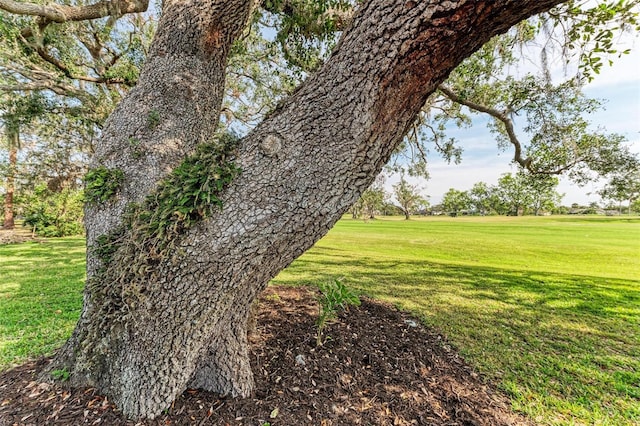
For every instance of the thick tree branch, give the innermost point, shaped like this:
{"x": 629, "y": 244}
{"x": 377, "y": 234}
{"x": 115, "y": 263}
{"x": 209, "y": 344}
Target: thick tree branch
{"x": 502, "y": 117}
{"x": 69, "y": 74}
{"x": 28, "y": 87}
{"x": 37, "y": 79}
{"x": 62, "y": 13}
{"x": 526, "y": 163}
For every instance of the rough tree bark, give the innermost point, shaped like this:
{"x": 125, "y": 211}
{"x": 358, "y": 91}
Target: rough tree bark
{"x": 301, "y": 169}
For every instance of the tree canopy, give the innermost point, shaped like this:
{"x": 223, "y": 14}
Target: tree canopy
{"x": 95, "y": 61}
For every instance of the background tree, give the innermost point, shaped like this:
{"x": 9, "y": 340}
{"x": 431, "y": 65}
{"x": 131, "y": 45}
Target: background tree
{"x": 623, "y": 185}
{"x": 78, "y": 73}
{"x": 524, "y": 192}
{"x": 408, "y": 197}
{"x": 12, "y": 143}
{"x": 15, "y": 114}
{"x": 54, "y": 144}
{"x": 54, "y": 163}
{"x": 58, "y": 155}
{"x": 514, "y": 194}
{"x": 481, "y": 198}
{"x": 543, "y": 194}
{"x": 455, "y": 201}
{"x": 372, "y": 200}
{"x": 52, "y": 213}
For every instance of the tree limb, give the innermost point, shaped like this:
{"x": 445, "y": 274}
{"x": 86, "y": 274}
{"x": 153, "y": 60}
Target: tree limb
{"x": 508, "y": 124}
{"x": 38, "y": 86}
{"x": 62, "y": 13}
{"x": 526, "y": 163}
{"x": 37, "y": 79}
{"x": 67, "y": 72}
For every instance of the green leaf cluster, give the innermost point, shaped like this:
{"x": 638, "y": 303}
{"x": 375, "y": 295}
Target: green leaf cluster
{"x": 593, "y": 32}
{"x": 102, "y": 183}
{"x": 408, "y": 197}
{"x": 190, "y": 193}
{"x": 307, "y": 30}
{"x": 150, "y": 232}
{"x": 153, "y": 119}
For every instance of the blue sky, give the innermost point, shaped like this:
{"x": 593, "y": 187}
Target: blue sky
{"x": 619, "y": 85}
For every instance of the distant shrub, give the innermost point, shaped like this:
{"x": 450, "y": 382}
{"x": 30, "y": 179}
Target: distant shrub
{"x": 53, "y": 214}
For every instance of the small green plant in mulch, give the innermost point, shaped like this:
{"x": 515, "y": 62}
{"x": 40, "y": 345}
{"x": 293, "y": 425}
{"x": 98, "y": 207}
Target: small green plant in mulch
{"x": 153, "y": 118}
{"x": 136, "y": 149}
{"x": 61, "y": 375}
{"x": 334, "y": 297}
{"x": 102, "y": 183}
{"x": 275, "y": 297}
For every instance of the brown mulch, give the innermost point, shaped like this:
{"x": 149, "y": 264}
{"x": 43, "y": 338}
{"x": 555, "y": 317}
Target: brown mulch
{"x": 379, "y": 367}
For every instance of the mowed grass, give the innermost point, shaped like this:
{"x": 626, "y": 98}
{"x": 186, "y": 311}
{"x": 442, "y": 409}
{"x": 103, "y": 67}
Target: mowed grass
{"x": 548, "y": 308}
{"x": 40, "y": 296}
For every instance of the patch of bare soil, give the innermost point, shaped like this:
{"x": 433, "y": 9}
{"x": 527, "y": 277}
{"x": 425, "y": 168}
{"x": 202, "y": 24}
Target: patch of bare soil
{"x": 16, "y": 235}
{"x": 379, "y": 367}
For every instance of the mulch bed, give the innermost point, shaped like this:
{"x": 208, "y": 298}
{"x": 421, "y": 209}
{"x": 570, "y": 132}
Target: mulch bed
{"x": 379, "y": 367}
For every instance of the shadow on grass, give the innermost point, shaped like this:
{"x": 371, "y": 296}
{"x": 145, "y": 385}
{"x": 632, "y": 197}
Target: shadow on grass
{"x": 566, "y": 342}
{"x": 54, "y": 248}
{"x": 582, "y": 294}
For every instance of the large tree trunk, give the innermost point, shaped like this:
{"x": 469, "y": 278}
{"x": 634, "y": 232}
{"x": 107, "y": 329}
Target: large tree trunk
{"x": 13, "y": 136}
{"x": 301, "y": 169}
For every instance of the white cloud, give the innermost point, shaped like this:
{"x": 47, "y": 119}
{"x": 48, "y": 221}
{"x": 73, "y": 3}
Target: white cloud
{"x": 462, "y": 176}
{"x": 625, "y": 69}
{"x": 488, "y": 170}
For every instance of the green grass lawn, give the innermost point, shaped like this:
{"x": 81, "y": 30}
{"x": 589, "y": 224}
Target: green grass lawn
{"x": 40, "y": 296}
{"x": 547, "y": 307}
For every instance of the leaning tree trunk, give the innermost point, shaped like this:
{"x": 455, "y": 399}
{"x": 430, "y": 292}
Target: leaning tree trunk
{"x": 180, "y": 321}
